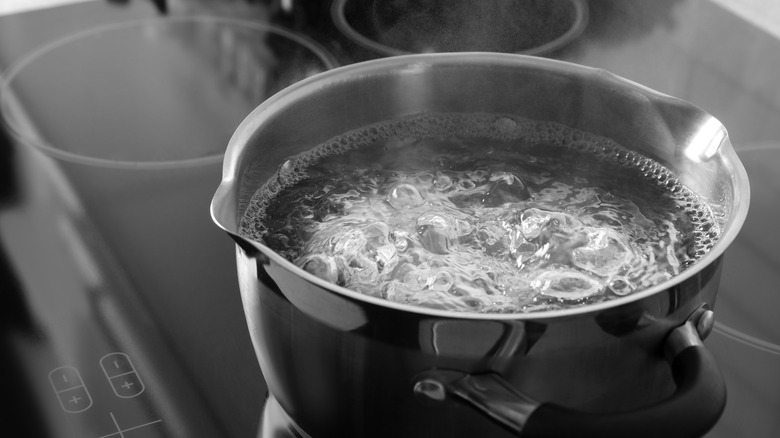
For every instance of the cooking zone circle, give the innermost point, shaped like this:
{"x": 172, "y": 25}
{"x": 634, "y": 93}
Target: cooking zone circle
{"x": 403, "y": 27}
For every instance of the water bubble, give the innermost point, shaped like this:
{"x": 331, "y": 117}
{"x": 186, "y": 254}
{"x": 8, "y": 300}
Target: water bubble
{"x": 468, "y": 198}
{"x": 400, "y": 293}
{"x": 604, "y": 253}
{"x": 348, "y": 242}
{"x": 473, "y": 303}
{"x": 525, "y": 252}
{"x": 388, "y": 290}
{"x": 400, "y": 239}
{"x": 500, "y": 235}
{"x": 426, "y": 178}
{"x": 435, "y": 239}
{"x": 405, "y": 196}
{"x": 378, "y": 247}
{"x": 505, "y": 125}
{"x": 322, "y": 266}
{"x": 463, "y": 227}
{"x": 458, "y": 292}
{"x": 466, "y": 184}
{"x": 451, "y": 226}
{"x": 533, "y": 221}
{"x": 506, "y": 188}
{"x": 620, "y": 287}
{"x": 362, "y": 269}
{"x": 566, "y": 284}
{"x": 442, "y": 182}
{"x": 402, "y": 270}
{"x": 386, "y": 257}
{"x": 490, "y": 235}
{"x": 438, "y": 220}
{"x": 443, "y": 281}
{"x": 286, "y": 166}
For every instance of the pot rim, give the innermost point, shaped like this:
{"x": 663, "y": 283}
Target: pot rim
{"x": 295, "y": 92}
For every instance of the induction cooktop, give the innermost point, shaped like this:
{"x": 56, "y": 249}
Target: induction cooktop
{"x": 87, "y": 357}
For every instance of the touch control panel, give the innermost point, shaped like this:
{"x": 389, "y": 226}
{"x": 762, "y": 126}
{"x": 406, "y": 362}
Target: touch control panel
{"x": 83, "y": 394}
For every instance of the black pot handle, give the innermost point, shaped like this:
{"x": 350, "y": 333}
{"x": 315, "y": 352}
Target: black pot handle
{"x": 690, "y": 412}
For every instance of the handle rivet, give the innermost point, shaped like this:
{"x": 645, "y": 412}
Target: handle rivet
{"x": 705, "y": 323}
{"x": 430, "y": 388}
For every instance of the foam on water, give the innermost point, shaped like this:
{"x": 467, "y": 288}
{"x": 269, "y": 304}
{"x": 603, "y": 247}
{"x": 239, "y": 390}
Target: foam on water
{"x": 481, "y": 212}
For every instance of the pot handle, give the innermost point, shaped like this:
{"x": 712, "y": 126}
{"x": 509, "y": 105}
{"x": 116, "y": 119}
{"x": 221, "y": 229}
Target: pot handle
{"x": 691, "y": 411}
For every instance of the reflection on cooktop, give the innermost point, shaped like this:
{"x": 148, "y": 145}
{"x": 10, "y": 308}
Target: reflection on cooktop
{"x": 746, "y": 339}
{"x": 748, "y": 299}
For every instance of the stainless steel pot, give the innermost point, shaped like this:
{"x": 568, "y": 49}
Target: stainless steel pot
{"x": 348, "y": 365}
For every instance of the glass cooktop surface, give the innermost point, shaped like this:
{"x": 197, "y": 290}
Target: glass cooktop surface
{"x": 100, "y": 361}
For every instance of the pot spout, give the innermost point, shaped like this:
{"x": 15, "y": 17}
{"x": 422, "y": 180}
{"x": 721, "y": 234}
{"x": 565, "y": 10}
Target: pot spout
{"x": 224, "y": 213}
{"x": 223, "y": 207}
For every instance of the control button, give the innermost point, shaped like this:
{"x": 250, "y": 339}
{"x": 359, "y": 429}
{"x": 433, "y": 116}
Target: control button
{"x": 116, "y": 364}
{"x": 127, "y": 385}
{"x": 122, "y": 375}
{"x": 64, "y": 378}
{"x": 75, "y": 400}
{"x": 70, "y": 389}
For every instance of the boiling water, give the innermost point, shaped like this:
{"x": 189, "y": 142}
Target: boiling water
{"x": 481, "y": 213}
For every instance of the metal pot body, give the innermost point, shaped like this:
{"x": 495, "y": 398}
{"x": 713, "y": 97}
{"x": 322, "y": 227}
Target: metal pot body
{"x": 343, "y": 364}
{"x": 344, "y": 367}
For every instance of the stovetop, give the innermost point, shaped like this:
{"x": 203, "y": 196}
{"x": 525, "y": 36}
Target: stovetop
{"x": 76, "y": 329}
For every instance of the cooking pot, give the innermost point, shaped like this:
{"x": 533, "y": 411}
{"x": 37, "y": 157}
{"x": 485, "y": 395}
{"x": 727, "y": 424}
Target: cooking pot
{"x": 344, "y": 364}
